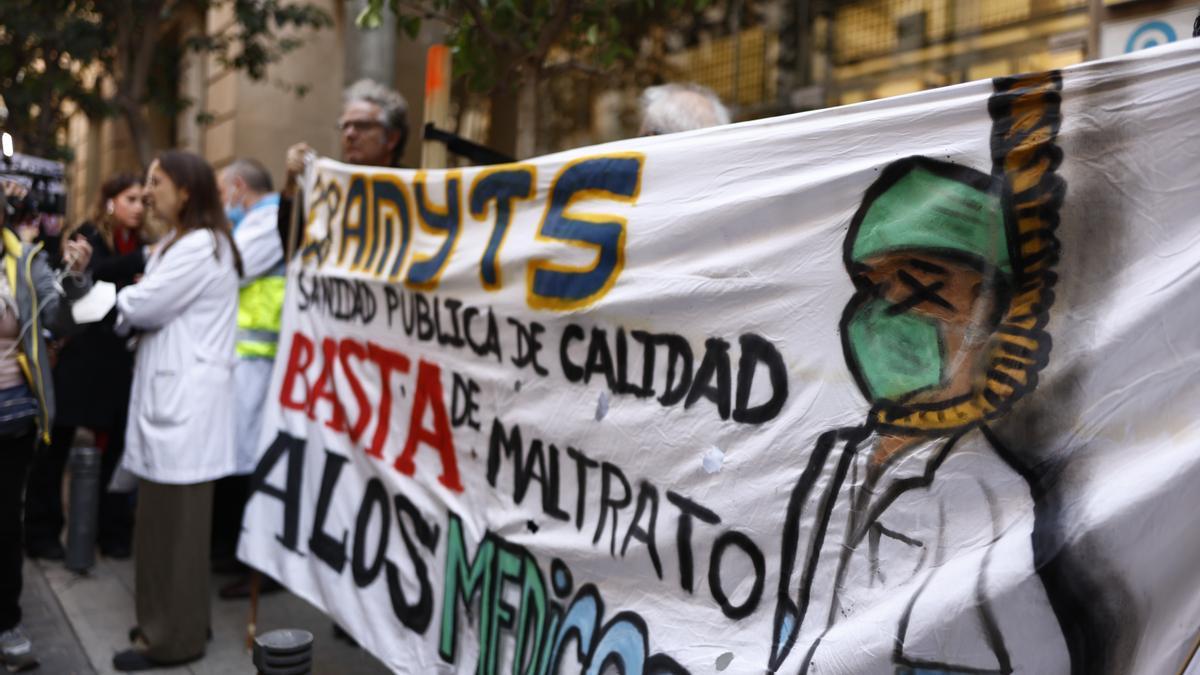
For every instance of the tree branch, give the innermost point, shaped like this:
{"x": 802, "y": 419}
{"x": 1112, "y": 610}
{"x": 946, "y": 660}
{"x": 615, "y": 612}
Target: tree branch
{"x": 428, "y": 12}
{"x": 553, "y": 29}
{"x": 500, "y": 43}
{"x": 143, "y": 57}
{"x": 125, "y": 25}
{"x": 576, "y": 66}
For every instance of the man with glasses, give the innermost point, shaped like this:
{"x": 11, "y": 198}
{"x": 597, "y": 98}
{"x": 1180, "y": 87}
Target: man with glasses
{"x": 373, "y": 128}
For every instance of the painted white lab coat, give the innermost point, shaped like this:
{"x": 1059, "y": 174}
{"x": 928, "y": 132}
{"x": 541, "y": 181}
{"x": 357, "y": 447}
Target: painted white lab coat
{"x": 180, "y": 427}
{"x": 926, "y": 568}
{"x": 257, "y": 238}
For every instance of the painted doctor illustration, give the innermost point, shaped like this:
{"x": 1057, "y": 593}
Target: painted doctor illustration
{"x": 907, "y": 539}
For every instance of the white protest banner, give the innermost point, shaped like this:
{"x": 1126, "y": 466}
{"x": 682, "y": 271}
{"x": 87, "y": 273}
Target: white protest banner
{"x": 902, "y": 387}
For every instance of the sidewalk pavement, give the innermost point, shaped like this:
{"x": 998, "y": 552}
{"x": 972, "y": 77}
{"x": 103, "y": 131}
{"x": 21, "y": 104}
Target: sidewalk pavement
{"x": 78, "y": 622}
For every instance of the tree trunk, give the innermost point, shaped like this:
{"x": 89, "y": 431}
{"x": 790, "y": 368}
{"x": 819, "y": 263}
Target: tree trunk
{"x": 502, "y": 121}
{"x": 139, "y": 50}
{"x": 527, "y": 113}
{"x": 46, "y": 126}
{"x": 139, "y": 132}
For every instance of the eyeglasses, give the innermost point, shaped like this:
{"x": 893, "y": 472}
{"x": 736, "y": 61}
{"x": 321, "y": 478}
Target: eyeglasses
{"x": 360, "y": 126}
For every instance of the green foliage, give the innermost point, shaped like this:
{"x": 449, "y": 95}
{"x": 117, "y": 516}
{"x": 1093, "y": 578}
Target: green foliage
{"x": 252, "y": 42}
{"x": 55, "y": 52}
{"x": 497, "y": 42}
{"x": 39, "y": 42}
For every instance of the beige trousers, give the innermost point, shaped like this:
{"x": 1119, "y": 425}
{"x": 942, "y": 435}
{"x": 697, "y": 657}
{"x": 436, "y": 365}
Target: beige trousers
{"x": 171, "y": 542}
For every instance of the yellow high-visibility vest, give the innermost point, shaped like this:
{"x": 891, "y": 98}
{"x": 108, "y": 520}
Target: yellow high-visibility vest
{"x": 260, "y": 309}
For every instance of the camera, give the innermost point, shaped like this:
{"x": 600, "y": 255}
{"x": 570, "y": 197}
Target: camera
{"x": 45, "y": 196}
{"x": 41, "y": 199}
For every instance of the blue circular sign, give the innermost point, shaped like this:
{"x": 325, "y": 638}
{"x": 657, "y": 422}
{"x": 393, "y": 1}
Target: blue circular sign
{"x": 1150, "y": 34}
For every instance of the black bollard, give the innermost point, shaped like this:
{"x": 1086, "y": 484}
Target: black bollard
{"x": 83, "y": 509}
{"x": 287, "y": 651}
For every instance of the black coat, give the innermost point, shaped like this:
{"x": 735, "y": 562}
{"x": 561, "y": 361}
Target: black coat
{"x": 283, "y": 223}
{"x": 95, "y": 367}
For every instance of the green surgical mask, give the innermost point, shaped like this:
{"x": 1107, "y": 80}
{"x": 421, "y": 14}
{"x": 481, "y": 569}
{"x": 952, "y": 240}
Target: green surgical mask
{"x": 894, "y": 354}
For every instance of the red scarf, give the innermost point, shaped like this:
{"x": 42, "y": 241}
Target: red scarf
{"x": 124, "y": 240}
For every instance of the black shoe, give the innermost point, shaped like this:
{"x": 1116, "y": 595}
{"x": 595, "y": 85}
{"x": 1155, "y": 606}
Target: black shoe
{"x": 48, "y": 550}
{"x": 132, "y": 660}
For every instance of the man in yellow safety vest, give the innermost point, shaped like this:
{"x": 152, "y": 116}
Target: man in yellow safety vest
{"x": 252, "y": 207}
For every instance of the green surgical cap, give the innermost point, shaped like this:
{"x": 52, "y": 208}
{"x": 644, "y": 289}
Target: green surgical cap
{"x": 923, "y": 210}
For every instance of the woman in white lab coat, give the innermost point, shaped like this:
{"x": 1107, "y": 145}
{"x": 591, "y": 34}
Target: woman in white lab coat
{"x": 180, "y": 432}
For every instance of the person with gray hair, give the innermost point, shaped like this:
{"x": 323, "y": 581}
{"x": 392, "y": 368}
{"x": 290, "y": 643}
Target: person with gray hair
{"x": 248, "y": 174}
{"x": 252, "y": 208}
{"x": 373, "y": 128}
{"x": 673, "y": 107}
{"x": 390, "y": 109}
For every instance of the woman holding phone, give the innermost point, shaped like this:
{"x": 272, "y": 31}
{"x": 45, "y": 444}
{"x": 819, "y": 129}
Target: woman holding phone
{"x": 91, "y": 382}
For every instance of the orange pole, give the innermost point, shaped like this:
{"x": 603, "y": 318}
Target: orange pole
{"x": 437, "y": 103}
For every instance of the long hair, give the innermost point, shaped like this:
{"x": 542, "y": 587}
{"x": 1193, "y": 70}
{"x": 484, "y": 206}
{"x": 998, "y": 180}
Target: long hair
{"x": 202, "y": 210}
{"x": 101, "y": 218}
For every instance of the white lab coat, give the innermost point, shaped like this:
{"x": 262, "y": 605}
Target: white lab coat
{"x": 180, "y": 427}
{"x": 257, "y": 240}
{"x": 928, "y": 566}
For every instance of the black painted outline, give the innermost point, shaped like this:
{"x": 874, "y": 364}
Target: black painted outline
{"x": 866, "y": 291}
